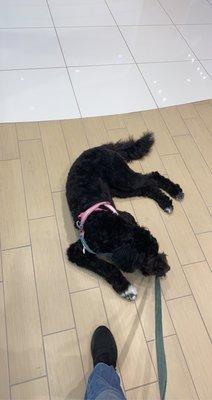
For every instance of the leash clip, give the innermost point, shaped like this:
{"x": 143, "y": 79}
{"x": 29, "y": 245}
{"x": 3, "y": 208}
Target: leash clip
{"x": 78, "y": 224}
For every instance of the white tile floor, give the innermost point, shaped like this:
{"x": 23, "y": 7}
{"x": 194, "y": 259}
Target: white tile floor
{"x": 66, "y": 58}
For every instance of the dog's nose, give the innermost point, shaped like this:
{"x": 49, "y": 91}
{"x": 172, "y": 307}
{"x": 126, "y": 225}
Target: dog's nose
{"x": 163, "y": 270}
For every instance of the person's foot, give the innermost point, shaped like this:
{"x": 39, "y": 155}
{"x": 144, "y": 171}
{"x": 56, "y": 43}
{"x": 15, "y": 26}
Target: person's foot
{"x": 103, "y": 347}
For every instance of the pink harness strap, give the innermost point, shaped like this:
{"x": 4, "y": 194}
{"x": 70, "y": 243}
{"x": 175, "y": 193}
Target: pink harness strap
{"x": 96, "y": 207}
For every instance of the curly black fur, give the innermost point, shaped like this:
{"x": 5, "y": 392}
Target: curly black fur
{"x": 99, "y": 174}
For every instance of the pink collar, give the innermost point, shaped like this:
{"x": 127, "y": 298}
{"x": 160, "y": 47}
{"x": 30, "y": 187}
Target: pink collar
{"x": 96, "y": 207}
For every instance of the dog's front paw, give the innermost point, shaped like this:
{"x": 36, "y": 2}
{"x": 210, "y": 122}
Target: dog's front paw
{"x": 177, "y": 192}
{"x": 179, "y": 196}
{"x": 130, "y": 293}
{"x": 169, "y": 210}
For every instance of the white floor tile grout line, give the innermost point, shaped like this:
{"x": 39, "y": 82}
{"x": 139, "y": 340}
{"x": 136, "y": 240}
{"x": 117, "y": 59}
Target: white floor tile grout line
{"x": 102, "y": 65}
{"x": 64, "y": 59}
{"x": 100, "y": 26}
{"x": 154, "y": 100}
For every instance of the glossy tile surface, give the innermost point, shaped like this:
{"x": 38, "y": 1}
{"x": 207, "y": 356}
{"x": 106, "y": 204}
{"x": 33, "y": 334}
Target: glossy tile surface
{"x": 188, "y": 11}
{"x": 23, "y": 14}
{"x": 208, "y": 66}
{"x": 104, "y": 36}
{"x": 168, "y": 81}
{"x": 156, "y": 43}
{"x": 29, "y": 48}
{"x": 38, "y": 94}
{"x": 111, "y": 88}
{"x": 80, "y": 13}
{"x": 199, "y": 38}
{"x": 138, "y": 12}
{"x": 93, "y": 46}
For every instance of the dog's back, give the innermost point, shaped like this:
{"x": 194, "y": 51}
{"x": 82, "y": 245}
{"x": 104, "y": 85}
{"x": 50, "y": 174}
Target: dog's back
{"x": 90, "y": 175}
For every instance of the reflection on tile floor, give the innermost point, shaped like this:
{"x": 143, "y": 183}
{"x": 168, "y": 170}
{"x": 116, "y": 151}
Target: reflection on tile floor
{"x": 146, "y": 38}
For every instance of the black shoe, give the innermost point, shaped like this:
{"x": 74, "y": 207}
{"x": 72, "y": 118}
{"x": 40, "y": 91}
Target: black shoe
{"x": 103, "y": 347}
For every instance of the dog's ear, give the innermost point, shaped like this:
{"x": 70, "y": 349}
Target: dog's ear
{"x": 144, "y": 240}
{"x": 127, "y": 217}
{"x": 73, "y": 252}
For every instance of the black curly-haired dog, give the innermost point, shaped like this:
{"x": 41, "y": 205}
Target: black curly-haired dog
{"x": 111, "y": 241}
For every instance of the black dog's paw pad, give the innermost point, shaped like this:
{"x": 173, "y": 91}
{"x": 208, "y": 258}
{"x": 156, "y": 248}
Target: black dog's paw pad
{"x": 180, "y": 196}
{"x": 130, "y": 293}
{"x": 169, "y": 209}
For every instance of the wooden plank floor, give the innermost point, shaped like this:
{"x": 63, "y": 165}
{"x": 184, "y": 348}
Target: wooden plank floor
{"x": 49, "y": 308}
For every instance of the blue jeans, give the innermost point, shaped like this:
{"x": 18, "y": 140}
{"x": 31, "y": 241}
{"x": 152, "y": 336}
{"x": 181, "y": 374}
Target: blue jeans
{"x": 104, "y": 384}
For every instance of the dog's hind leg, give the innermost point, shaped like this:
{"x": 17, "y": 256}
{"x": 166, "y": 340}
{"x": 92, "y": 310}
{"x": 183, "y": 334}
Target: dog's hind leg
{"x": 173, "y": 189}
{"x": 124, "y": 182}
{"x": 148, "y": 189}
{"x": 106, "y": 270}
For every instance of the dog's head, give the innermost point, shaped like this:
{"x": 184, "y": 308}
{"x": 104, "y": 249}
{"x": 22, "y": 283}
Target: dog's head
{"x": 140, "y": 251}
{"x": 122, "y": 242}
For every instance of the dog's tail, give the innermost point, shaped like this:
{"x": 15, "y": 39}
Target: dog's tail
{"x": 132, "y": 149}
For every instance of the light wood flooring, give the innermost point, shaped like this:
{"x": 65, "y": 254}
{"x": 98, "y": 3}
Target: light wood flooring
{"x": 49, "y": 308}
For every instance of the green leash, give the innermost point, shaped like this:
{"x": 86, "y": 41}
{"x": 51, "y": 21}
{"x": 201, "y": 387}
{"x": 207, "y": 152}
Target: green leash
{"x": 160, "y": 352}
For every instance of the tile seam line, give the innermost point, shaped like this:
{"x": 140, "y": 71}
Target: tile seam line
{"x": 164, "y": 337}
{"x": 168, "y": 308}
{"x": 66, "y": 66}
{"x": 188, "y": 264}
{"x": 159, "y": 2}
{"x": 184, "y": 212}
{"x": 6, "y": 331}
{"x": 197, "y": 110}
{"x": 191, "y": 293}
{"x": 209, "y": 3}
{"x": 194, "y": 299}
{"x": 136, "y": 303}
{"x": 98, "y": 278}
{"x": 199, "y": 192}
{"x": 61, "y": 49}
{"x": 58, "y": 232}
{"x": 141, "y": 386}
{"x": 84, "y": 26}
{"x": 181, "y": 203}
{"x": 199, "y": 311}
{"x": 99, "y": 26}
{"x": 194, "y": 180}
{"x": 183, "y": 355}
{"x": 57, "y": 332}
{"x": 138, "y": 69}
{"x": 27, "y": 381}
{"x": 186, "y": 216}
{"x": 189, "y": 223}
{"x": 33, "y": 267}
